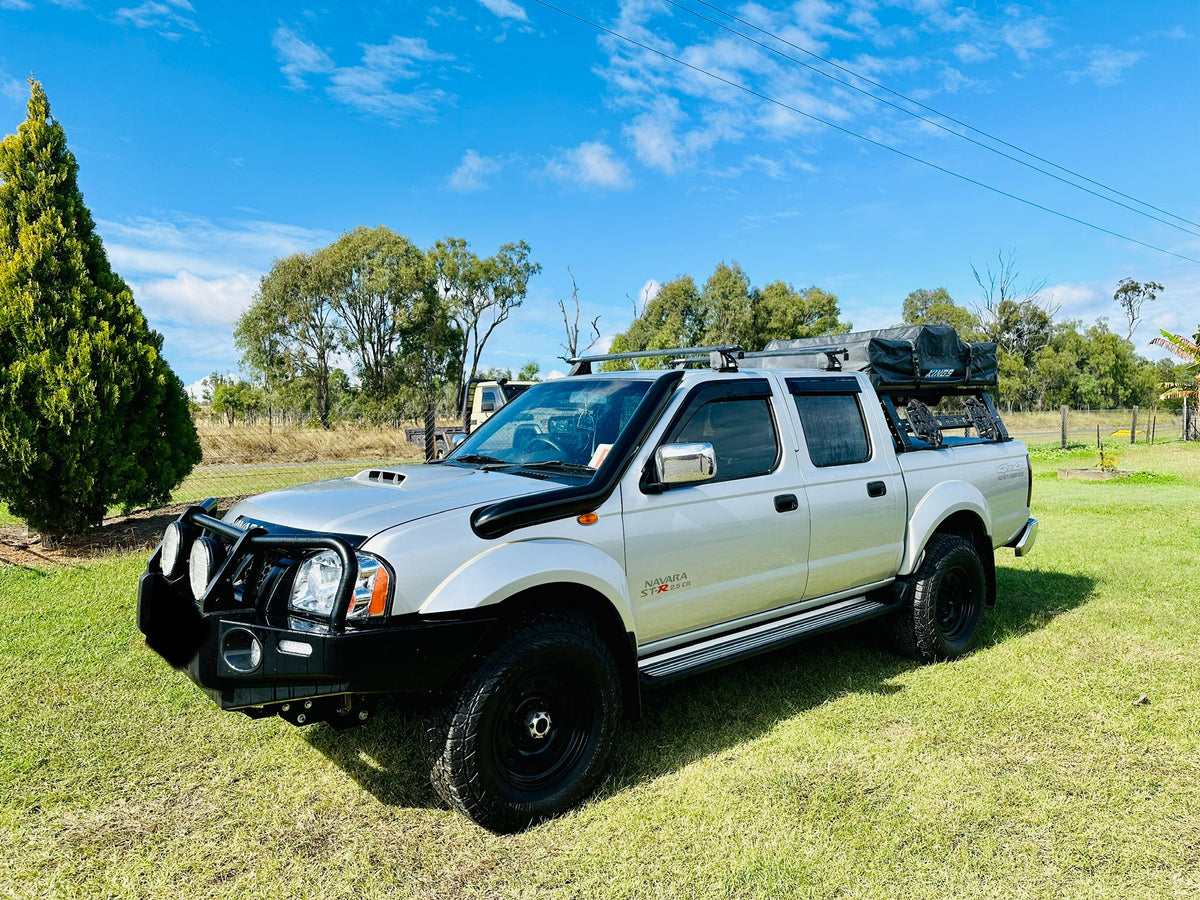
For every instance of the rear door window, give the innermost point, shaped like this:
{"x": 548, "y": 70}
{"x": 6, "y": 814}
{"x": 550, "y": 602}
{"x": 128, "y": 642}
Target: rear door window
{"x": 834, "y": 430}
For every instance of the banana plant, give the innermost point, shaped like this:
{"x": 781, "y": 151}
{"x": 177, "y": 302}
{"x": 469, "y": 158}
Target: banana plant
{"x": 1189, "y": 352}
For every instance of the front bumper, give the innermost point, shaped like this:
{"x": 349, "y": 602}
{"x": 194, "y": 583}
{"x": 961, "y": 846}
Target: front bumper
{"x": 296, "y": 658}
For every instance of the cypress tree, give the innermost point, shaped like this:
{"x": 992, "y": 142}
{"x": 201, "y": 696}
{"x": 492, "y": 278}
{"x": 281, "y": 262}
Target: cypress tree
{"x": 91, "y": 415}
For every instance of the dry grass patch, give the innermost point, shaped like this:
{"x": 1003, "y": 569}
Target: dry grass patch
{"x": 240, "y": 444}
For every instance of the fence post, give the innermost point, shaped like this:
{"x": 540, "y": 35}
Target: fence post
{"x": 1066, "y": 410}
{"x": 1133, "y": 427}
{"x": 1185, "y": 417}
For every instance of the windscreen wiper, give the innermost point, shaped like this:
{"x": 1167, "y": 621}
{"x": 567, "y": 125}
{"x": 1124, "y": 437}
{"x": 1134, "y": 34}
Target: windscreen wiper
{"x": 561, "y": 466}
{"x": 480, "y": 459}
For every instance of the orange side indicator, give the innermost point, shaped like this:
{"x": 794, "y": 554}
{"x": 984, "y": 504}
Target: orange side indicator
{"x": 379, "y": 593}
{"x": 588, "y": 519}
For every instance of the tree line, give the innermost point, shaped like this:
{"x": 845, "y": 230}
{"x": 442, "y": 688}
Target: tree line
{"x": 1044, "y": 362}
{"x": 411, "y": 324}
{"x": 728, "y": 310}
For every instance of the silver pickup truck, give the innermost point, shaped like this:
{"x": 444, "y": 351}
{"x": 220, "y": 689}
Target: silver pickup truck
{"x": 601, "y": 534}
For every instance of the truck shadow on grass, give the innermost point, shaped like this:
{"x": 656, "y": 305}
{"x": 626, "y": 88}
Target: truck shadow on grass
{"x": 714, "y": 711}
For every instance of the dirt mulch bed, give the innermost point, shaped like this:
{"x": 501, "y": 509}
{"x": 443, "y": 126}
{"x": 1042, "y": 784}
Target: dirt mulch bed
{"x": 118, "y": 534}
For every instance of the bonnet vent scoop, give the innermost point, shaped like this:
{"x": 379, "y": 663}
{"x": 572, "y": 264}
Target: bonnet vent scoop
{"x": 383, "y": 476}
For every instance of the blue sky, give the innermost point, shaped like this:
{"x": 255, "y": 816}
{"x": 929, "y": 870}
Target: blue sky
{"x": 213, "y": 138}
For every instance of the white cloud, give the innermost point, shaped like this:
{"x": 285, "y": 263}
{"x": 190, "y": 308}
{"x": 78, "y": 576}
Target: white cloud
{"x": 21, "y": 5}
{"x": 649, "y": 291}
{"x": 653, "y": 137}
{"x": 1024, "y": 36}
{"x": 13, "y": 89}
{"x": 973, "y": 53}
{"x": 191, "y": 274}
{"x": 161, "y": 247}
{"x": 505, "y": 9}
{"x": 591, "y": 164}
{"x": 189, "y": 298}
{"x": 954, "y": 81}
{"x": 299, "y": 57}
{"x": 165, "y": 17}
{"x": 193, "y": 277}
{"x": 371, "y": 86}
{"x": 1106, "y": 66}
{"x": 473, "y": 171}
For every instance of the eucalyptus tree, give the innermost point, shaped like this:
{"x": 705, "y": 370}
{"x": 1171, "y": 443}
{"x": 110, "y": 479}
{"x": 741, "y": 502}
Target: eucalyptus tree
{"x": 481, "y": 293}
{"x": 781, "y": 313}
{"x": 1131, "y": 296}
{"x": 373, "y": 278}
{"x": 936, "y": 307}
{"x": 290, "y": 332}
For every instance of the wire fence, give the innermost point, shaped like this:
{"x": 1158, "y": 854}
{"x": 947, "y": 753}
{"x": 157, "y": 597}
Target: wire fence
{"x": 1099, "y": 426}
{"x": 248, "y": 459}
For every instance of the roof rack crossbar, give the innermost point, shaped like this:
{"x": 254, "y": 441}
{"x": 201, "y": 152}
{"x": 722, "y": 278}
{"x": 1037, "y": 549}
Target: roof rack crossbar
{"x": 720, "y": 356}
{"x": 582, "y": 365}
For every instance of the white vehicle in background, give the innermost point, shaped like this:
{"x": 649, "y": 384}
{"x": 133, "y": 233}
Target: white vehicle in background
{"x": 601, "y": 534}
{"x": 481, "y": 398}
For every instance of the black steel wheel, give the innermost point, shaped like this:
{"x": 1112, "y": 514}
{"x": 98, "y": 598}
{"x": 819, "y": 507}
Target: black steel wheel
{"x": 944, "y": 606}
{"x": 530, "y": 731}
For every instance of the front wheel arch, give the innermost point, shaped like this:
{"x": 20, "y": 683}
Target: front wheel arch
{"x": 529, "y": 733}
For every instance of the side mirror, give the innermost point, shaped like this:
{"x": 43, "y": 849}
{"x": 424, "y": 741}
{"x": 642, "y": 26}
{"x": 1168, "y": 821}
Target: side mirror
{"x": 456, "y": 439}
{"x": 685, "y": 463}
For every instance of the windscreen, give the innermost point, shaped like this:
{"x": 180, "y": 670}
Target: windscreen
{"x": 568, "y": 422}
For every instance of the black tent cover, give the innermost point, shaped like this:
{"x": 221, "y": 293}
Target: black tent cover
{"x": 913, "y": 357}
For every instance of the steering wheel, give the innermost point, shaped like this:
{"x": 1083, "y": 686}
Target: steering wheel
{"x": 543, "y": 442}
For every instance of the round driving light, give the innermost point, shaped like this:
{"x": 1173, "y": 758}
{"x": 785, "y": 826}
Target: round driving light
{"x": 174, "y": 550}
{"x": 172, "y": 540}
{"x": 206, "y": 555}
{"x": 241, "y": 650}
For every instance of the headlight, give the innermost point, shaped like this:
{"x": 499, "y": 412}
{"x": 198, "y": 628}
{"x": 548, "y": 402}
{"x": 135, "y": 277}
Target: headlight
{"x": 316, "y": 584}
{"x": 173, "y": 549}
{"x": 206, "y": 555}
{"x": 315, "y": 589}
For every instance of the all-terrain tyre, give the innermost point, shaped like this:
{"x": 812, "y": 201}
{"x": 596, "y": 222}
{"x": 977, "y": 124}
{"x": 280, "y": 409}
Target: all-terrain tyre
{"x": 529, "y": 732}
{"x": 944, "y": 603}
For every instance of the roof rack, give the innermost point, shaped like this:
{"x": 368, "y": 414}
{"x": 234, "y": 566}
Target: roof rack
{"x": 723, "y": 358}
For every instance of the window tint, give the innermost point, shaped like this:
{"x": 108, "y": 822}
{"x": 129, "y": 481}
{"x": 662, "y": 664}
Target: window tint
{"x": 833, "y": 429}
{"x": 742, "y": 433}
{"x": 490, "y": 396}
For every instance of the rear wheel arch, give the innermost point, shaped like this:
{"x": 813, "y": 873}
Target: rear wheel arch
{"x": 969, "y": 525}
{"x": 943, "y": 601}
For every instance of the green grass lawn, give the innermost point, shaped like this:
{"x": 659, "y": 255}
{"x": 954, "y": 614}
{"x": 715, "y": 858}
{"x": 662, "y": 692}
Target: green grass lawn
{"x": 831, "y": 769}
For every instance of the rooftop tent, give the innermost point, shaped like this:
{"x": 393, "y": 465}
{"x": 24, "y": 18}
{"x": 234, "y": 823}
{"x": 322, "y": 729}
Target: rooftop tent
{"x": 913, "y": 357}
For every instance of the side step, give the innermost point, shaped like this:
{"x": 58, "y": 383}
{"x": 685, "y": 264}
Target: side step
{"x": 677, "y": 662}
